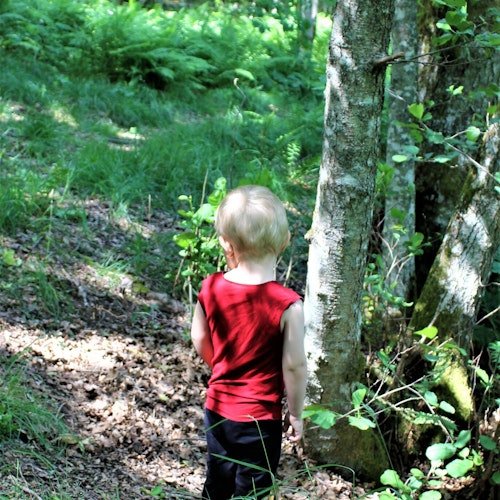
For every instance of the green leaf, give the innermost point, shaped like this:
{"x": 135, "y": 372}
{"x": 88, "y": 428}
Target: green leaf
{"x": 431, "y": 398}
{"x": 445, "y": 406}
{"x": 455, "y": 91}
{"x": 477, "y": 458}
{"x": 320, "y": 415}
{"x": 413, "y": 150}
{"x": 157, "y": 491}
{"x": 399, "y": 158}
{"x": 391, "y": 478}
{"x": 417, "y": 473}
{"x": 325, "y": 419}
{"x": 440, "y": 451}
{"x": 457, "y": 4}
{"x": 186, "y": 214}
{"x": 414, "y": 484}
{"x": 244, "y": 74}
{"x": 459, "y": 468}
{"x": 362, "y": 423}
{"x": 436, "y": 483}
{"x": 385, "y": 495}
{"x": 443, "y": 25}
{"x": 488, "y": 39}
{"x": 463, "y": 439}
{"x": 430, "y": 495}
{"x": 482, "y": 374}
{"x": 428, "y": 332}
{"x": 442, "y": 158}
{"x": 219, "y": 192}
{"x": 358, "y": 396}
{"x": 434, "y": 137}
{"x": 9, "y": 258}
{"x": 417, "y": 239}
{"x": 458, "y": 20}
{"x": 443, "y": 39}
{"x": 472, "y": 133}
{"x": 205, "y": 213}
{"x": 487, "y": 443}
{"x": 495, "y": 478}
{"x": 184, "y": 240}
{"x": 416, "y": 110}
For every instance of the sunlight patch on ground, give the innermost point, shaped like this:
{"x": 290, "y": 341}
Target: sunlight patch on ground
{"x": 12, "y": 112}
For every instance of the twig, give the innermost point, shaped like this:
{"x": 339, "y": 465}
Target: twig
{"x": 385, "y": 60}
{"x": 491, "y": 313}
{"x": 31, "y": 492}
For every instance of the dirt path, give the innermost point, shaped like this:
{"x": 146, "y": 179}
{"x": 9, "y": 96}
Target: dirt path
{"x": 135, "y": 406}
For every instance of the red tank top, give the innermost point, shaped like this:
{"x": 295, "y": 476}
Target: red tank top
{"x": 244, "y": 323}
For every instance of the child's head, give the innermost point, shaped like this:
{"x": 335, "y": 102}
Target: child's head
{"x": 254, "y": 221}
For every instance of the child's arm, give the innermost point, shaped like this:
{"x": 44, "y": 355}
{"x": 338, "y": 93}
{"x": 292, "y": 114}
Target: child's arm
{"x": 200, "y": 335}
{"x": 294, "y": 365}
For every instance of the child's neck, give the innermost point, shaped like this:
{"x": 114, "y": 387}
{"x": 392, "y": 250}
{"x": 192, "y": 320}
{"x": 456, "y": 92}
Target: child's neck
{"x": 253, "y": 272}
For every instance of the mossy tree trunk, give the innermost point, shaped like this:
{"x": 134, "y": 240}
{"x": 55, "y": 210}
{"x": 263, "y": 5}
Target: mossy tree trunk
{"x": 468, "y": 65}
{"x": 341, "y": 225}
{"x": 451, "y": 296}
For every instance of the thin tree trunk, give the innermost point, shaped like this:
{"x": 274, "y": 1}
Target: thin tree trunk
{"x": 341, "y": 225}
{"x": 307, "y": 23}
{"x": 401, "y": 196}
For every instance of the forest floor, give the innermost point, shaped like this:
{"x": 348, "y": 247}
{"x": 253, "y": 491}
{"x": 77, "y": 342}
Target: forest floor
{"x": 118, "y": 366}
{"x": 115, "y": 361}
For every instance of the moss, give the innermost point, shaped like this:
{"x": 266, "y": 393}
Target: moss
{"x": 350, "y": 449}
{"x": 454, "y": 386}
{"x": 412, "y": 438}
{"x": 426, "y": 305}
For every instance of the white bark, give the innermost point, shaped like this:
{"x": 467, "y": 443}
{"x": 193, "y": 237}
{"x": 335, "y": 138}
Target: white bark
{"x": 401, "y": 196}
{"x": 309, "y": 13}
{"x": 342, "y": 217}
{"x": 453, "y": 290}
{"x": 452, "y": 293}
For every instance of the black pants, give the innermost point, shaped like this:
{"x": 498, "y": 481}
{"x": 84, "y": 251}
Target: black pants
{"x": 249, "y": 453}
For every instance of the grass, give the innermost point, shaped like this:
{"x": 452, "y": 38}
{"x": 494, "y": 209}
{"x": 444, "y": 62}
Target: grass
{"x": 24, "y": 412}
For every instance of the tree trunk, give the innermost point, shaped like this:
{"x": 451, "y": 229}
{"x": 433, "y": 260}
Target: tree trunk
{"x": 451, "y": 296}
{"x": 468, "y": 65}
{"x": 341, "y": 225}
{"x": 308, "y": 11}
{"x": 399, "y": 214}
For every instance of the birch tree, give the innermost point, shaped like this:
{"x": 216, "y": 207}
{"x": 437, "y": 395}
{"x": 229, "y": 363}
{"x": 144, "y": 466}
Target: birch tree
{"x": 458, "y": 65}
{"x": 451, "y": 296}
{"x": 341, "y": 224}
{"x": 399, "y": 216}
{"x": 308, "y": 13}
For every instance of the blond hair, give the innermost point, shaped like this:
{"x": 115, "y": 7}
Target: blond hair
{"x": 254, "y": 220}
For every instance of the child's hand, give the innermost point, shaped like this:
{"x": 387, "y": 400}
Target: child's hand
{"x": 294, "y": 428}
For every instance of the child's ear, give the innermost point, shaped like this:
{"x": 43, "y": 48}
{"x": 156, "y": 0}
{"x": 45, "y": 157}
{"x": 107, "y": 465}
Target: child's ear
{"x": 226, "y": 245}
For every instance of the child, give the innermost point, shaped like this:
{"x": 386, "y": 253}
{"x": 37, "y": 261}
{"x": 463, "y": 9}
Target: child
{"x": 249, "y": 329}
